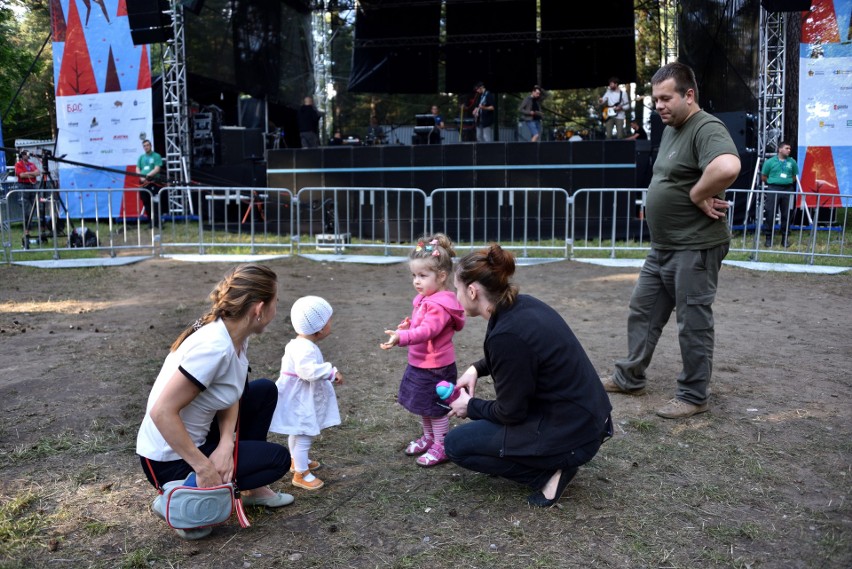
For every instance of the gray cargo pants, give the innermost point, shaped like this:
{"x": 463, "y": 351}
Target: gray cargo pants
{"x": 684, "y": 281}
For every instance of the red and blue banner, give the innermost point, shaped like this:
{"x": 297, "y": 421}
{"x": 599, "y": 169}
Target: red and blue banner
{"x": 103, "y": 104}
{"x": 825, "y": 103}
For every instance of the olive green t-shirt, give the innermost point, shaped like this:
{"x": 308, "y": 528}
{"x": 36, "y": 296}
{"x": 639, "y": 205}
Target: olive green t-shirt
{"x": 674, "y": 221}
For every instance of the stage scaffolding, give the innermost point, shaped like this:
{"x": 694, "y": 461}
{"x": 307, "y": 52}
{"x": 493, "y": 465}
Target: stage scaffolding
{"x": 176, "y": 113}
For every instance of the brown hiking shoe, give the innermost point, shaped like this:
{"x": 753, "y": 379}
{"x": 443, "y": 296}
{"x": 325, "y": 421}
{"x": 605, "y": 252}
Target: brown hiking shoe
{"x": 610, "y": 386}
{"x": 679, "y": 409}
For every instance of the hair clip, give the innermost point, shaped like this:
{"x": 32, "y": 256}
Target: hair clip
{"x": 419, "y": 246}
{"x": 436, "y": 253}
{"x": 196, "y": 326}
{"x": 433, "y": 242}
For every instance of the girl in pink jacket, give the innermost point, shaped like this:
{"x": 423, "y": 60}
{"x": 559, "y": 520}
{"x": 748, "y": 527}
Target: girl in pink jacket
{"x": 428, "y": 333}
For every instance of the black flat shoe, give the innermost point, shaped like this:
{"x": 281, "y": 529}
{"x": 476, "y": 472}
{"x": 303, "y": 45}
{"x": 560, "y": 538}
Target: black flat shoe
{"x": 538, "y": 499}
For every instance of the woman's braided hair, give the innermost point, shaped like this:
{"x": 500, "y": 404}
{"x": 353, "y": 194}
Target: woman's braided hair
{"x": 241, "y": 287}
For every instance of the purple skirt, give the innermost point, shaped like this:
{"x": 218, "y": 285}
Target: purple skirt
{"x": 417, "y": 390}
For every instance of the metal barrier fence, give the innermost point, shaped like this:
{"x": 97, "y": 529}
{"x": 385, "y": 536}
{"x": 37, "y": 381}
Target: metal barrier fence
{"x": 368, "y": 219}
{"x": 529, "y": 221}
{"x": 533, "y": 222}
{"x": 53, "y": 220}
{"x": 612, "y": 221}
{"x": 229, "y": 219}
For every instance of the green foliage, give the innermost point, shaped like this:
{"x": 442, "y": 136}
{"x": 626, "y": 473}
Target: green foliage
{"x": 26, "y": 78}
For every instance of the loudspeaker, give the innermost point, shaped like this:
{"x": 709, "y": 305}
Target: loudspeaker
{"x": 150, "y": 21}
{"x": 193, "y": 6}
{"x": 657, "y": 127}
{"x": 786, "y": 5}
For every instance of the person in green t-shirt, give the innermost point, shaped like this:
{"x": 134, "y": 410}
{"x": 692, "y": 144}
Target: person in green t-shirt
{"x": 149, "y": 166}
{"x": 686, "y": 210}
{"x": 779, "y": 174}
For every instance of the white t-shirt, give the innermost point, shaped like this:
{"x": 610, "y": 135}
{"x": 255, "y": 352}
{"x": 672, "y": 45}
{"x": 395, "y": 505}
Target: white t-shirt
{"x": 208, "y": 358}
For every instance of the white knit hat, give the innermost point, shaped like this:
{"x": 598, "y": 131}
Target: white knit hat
{"x": 310, "y": 314}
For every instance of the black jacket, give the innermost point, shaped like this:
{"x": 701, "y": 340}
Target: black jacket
{"x": 548, "y": 395}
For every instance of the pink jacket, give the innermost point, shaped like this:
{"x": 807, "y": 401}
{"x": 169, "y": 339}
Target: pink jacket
{"x": 434, "y": 320}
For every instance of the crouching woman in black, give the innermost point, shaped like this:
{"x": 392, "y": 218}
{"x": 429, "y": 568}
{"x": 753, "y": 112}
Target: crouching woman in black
{"x": 550, "y": 414}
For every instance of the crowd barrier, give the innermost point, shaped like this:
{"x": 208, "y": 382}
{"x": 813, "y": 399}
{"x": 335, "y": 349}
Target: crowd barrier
{"x": 533, "y": 222}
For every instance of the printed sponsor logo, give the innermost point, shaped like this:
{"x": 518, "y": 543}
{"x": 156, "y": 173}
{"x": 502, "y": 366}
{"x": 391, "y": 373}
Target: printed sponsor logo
{"x": 129, "y": 151}
{"x": 840, "y": 107}
{"x": 115, "y": 121}
{"x": 74, "y": 108}
{"x": 120, "y": 137}
{"x": 94, "y": 122}
{"x": 73, "y": 140}
{"x": 107, "y": 151}
{"x": 75, "y": 123}
{"x": 135, "y": 103}
{"x": 86, "y": 153}
{"x": 94, "y": 106}
{"x": 139, "y": 118}
{"x": 823, "y": 124}
{"x": 118, "y": 104}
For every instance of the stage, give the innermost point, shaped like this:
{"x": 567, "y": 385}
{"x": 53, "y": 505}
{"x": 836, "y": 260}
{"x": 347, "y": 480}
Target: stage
{"x": 567, "y": 165}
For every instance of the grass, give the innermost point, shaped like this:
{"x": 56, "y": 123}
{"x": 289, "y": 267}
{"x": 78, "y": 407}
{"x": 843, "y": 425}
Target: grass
{"x": 22, "y": 521}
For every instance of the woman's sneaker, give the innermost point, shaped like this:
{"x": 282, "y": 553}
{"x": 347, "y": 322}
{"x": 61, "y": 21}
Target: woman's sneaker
{"x": 419, "y": 446}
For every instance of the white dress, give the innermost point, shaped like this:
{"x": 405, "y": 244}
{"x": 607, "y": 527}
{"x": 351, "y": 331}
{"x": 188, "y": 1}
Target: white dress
{"x": 306, "y": 399}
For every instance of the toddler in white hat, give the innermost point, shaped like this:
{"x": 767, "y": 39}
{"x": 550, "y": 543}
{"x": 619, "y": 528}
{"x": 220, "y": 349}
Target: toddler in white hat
{"x": 307, "y": 402}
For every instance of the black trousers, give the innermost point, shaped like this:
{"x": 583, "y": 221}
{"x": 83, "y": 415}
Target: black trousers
{"x": 775, "y": 197}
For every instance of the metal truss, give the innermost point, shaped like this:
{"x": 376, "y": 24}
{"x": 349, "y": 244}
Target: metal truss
{"x": 771, "y": 80}
{"x": 669, "y": 30}
{"x": 176, "y": 113}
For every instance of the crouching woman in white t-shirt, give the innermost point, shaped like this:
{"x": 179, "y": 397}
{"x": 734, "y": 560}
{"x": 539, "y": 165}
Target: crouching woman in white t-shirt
{"x": 201, "y": 389}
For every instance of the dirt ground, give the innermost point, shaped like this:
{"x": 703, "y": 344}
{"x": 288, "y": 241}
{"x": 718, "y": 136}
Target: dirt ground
{"x": 762, "y": 480}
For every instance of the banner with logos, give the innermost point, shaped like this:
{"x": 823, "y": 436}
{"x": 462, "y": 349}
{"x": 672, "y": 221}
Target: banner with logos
{"x": 825, "y": 104}
{"x": 103, "y": 105}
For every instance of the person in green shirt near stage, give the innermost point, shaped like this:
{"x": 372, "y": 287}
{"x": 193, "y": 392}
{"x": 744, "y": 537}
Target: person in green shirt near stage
{"x": 148, "y": 167}
{"x": 779, "y": 174}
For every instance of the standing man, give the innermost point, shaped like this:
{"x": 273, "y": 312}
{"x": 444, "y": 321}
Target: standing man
{"x": 308, "y": 118}
{"x": 27, "y": 174}
{"x": 530, "y": 110}
{"x": 148, "y": 167}
{"x": 779, "y": 174}
{"x": 483, "y": 113}
{"x": 685, "y": 211}
{"x": 614, "y": 102}
{"x": 435, "y": 134}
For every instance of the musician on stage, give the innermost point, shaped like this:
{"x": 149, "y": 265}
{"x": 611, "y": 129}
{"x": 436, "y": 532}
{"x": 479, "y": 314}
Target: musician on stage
{"x": 530, "y": 110}
{"x": 375, "y": 133}
{"x": 483, "y": 112}
{"x": 435, "y": 135}
{"x": 614, "y": 102}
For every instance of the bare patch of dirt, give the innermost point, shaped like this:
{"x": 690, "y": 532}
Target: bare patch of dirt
{"x": 762, "y": 480}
